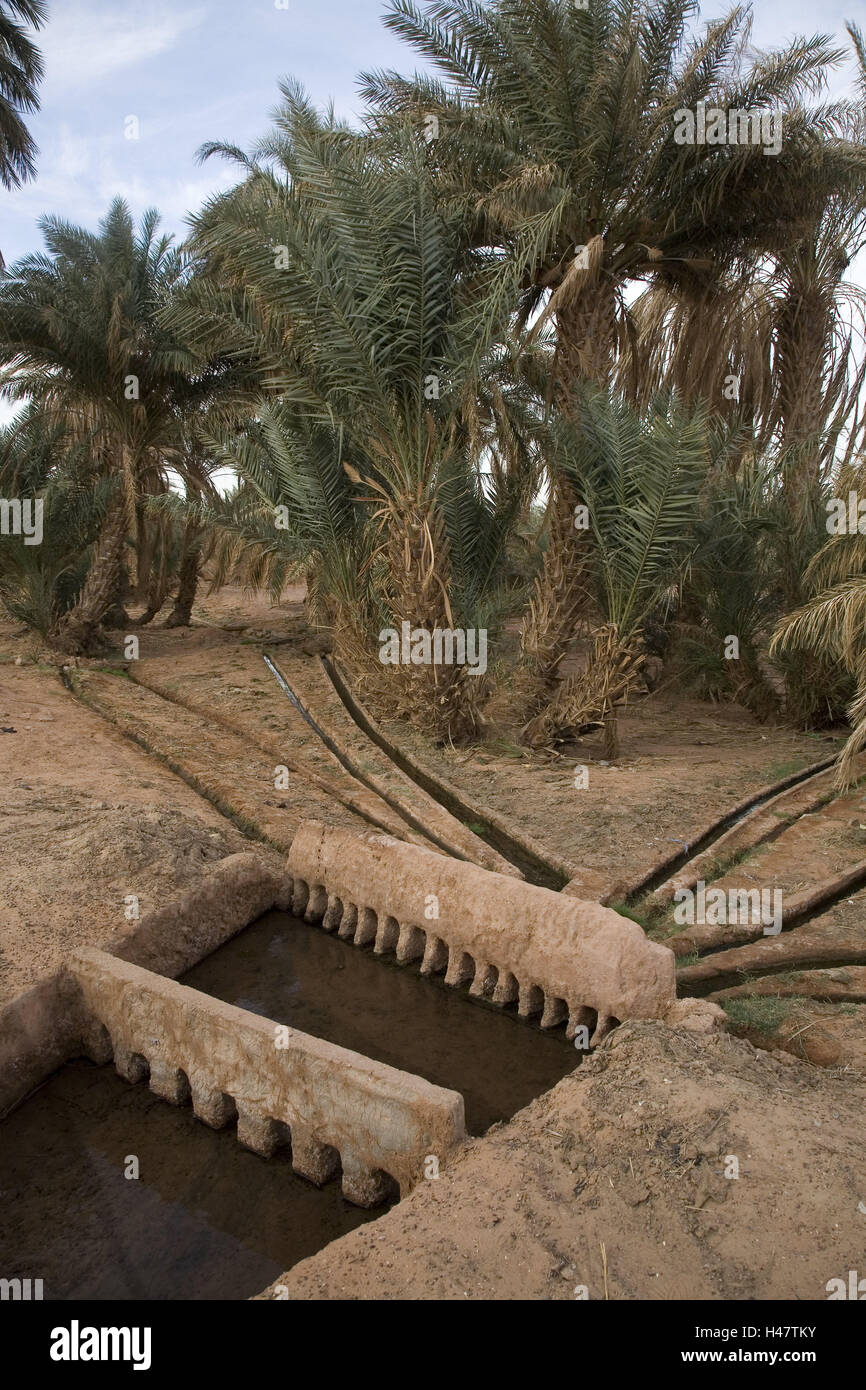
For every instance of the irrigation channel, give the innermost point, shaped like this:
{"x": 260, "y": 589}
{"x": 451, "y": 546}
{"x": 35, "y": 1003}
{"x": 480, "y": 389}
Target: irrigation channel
{"x": 297, "y": 974}
{"x": 110, "y": 1193}
{"x": 801, "y": 839}
{"x": 205, "y": 1219}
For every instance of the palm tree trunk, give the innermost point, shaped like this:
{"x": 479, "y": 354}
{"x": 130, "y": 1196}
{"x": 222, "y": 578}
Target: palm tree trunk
{"x": 188, "y": 583}
{"x": 814, "y": 695}
{"x": 79, "y": 631}
{"x": 804, "y": 338}
{"x": 145, "y": 552}
{"x": 585, "y": 343}
{"x": 611, "y": 735}
{"x": 584, "y": 352}
{"x": 559, "y": 598}
{"x": 157, "y": 594}
{"x": 116, "y": 615}
{"x": 443, "y": 700}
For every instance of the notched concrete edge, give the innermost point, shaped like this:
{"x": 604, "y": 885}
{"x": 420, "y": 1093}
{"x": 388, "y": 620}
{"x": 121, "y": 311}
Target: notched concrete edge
{"x": 551, "y": 953}
{"x": 335, "y": 1106}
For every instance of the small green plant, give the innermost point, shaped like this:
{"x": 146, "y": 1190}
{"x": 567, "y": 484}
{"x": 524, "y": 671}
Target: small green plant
{"x": 777, "y": 771}
{"x": 634, "y": 914}
{"x": 765, "y": 1013}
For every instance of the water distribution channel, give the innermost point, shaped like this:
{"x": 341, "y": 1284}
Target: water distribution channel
{"x": 204, "y": 1218}
{"x": 300, "y": 975}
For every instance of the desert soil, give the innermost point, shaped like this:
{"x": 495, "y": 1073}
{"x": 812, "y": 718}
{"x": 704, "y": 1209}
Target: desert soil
{"x": 151, "y": 771}
{"x": 612, "y": 1185}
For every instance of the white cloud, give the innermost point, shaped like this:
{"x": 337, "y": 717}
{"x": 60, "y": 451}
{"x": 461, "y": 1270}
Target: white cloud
{"x": 73, "y": 153}
{"x": 81, "y": 48}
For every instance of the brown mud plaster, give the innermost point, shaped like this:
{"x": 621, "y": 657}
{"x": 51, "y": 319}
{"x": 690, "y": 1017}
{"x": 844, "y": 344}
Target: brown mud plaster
{"x": 338, "y": 1106}
{"x": 565, "y": 955}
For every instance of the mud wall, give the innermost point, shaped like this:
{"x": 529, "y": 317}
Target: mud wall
{"x": 551, "y": 952}
{"x": 179, "y": 935}
{"x": 41, "y": 1029}
{"x": 339, "y": 1107}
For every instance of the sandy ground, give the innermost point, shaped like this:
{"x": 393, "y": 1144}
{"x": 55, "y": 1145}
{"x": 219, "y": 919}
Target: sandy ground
{"x": 85, "y": 820}
{"x": 612, "y": 1185}
{"x": 683, "y": 764}
{"x": 620, "y": 1167}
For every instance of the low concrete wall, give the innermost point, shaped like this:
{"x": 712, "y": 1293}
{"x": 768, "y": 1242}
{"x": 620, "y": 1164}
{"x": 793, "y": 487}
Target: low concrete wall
{"x": 338, "y": 1105}
{"x": 176, "y": 937}
{"x": 41, "y": 1029}
{"x": 551, "y": 952}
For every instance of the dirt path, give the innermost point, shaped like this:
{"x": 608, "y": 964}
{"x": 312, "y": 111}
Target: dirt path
{"x": 86, "y": 819}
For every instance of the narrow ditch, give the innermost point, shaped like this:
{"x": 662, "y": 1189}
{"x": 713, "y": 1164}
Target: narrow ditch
{"x": 352, "y": 768}
{"x": 205, "y": 1218}
{"x": 677, "y": 860}
{"x": 807, "y": 961}
{"x": 535, "y": 870}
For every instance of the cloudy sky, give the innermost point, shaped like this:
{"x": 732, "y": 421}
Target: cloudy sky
{"x": 189, "y": 72}
{"x": 196, "y": 71}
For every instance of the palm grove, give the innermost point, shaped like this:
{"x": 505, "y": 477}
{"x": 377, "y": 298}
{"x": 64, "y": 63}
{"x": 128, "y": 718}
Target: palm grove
{"x": 508, "y": 355}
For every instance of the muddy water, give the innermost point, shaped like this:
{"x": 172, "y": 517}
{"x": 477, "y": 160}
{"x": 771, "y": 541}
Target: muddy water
{"x": 206, "y": 1219}
{"x": 300, "y": 975}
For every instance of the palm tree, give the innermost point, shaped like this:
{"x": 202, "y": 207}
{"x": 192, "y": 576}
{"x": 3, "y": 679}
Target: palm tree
{"x": 294, "y": 516}
{"x": 40, "y": 462}
{"x": 640, "y": 477}
{"x": 370, "y": 316}
{"x": 732, "y": 584}
{"x": 81, "y": 336}
{"x": 831, "y": 623}
{"x": 782, "y": 325}
{"x": 556, "y": 137}
{"x": 20, "y": 74}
